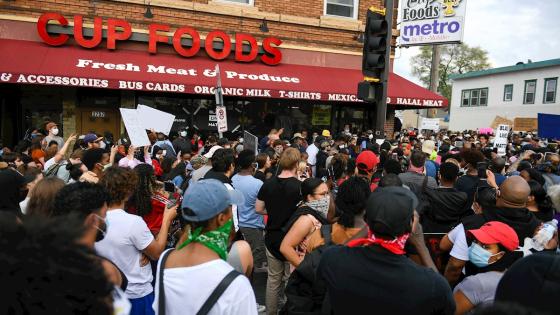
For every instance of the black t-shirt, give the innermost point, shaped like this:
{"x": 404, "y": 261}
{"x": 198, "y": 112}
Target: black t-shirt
{"x": 281, "y": 197}
{"x": 11, "y": 183}
{"x": 372, "y": 280}
{"x": 260, "y": 175}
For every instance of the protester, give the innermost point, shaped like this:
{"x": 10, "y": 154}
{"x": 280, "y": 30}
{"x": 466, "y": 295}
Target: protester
{"x": 312, "y": 151}
{"x": 415, "y": 177}
{"x": 491, "y": 242}
{"x": 368, "y": 273}
{"x": 539, "y": 202}
{"x": 366, "y": 166}
{"x": 189, "y": 274}
{"x": 308, "y": 218}
{"x": 278, "y": 198}
{"x": 201, "y": 172}
{"x": 92, "y": 141}
{"x": 129, "y": 238}
{"x": 468, "y": 182}
{"x": 41, "y": 202}
{"x": 32, "y": 176}
{"x": 13, "y": 190}
{"x": 251, "y": 224}
{"x": 95, "y": 160}
{"x": 130, "y": 160}
{"x": 263, "y": 165}
{"x": 52, "y": 129}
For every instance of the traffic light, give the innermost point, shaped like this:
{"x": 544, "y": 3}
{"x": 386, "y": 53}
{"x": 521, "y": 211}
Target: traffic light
{"x": 376, "y": 61}
{"x": 376, "y": 54}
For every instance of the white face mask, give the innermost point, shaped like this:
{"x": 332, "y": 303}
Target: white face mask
{"x": 240, "y": 140}
{"x": 102, "y": 145}
{"x": 183, "y": 133}
{"x": 370, "y": 136}
{"x": 54, "y": 131}
{"x": 164, "y": 153}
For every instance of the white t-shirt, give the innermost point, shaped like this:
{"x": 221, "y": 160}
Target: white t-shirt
{"x": 460, "y": 248}
{"x": 49, "y": 163}
{"x": 127, "y": 236}
{"x": 187, "y": 288}
{"x": 233, "y": 210}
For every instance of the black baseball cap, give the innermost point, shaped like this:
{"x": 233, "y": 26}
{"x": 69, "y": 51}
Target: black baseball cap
{"x": 533, "y": 282}
{"x": 389, "y": 211}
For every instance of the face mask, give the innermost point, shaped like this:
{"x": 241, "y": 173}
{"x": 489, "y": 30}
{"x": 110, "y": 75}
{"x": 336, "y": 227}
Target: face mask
{"x": 159, "y": 156}
{"x": 102, "y": 145}
{"x": 320, "y": 205}
{"x": 164, "y": 152}
{"x": 101, "y": 232}
{"x": 479, "y": 256}
{"x": 54, "y": 131}
{"x": 216, "y": 240}
{"x": 342, "y": 146}
{"x": 370, "y": 136}
{"x": 183, "y": 134}
{"x": 347, "y": 130}
{"x": 106, "y": 166}
{"x": 240, "y": 140}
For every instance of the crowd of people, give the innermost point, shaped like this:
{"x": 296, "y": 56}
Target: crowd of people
{"x": 418, "y": 223}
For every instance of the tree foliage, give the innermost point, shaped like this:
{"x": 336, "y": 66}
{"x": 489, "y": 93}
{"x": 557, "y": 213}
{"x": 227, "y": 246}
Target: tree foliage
{"x": 454, "y": 59}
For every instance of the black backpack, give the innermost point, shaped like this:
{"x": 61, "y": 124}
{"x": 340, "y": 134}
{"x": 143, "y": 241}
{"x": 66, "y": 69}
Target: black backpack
{"x": 304, "y": 294}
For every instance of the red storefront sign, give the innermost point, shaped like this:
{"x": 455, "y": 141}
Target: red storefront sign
{"x": 25, "y": 62}
{"x": 120, "y": 30}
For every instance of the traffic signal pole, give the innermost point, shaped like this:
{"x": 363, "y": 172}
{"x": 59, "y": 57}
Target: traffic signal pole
{"x": 376, "y": 61}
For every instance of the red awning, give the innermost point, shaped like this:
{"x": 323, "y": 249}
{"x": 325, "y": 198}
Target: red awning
{"x": 28, "y": 62}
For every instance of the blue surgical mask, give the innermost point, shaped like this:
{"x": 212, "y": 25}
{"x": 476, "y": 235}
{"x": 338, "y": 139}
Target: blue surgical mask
{"x": 479, "y": 256}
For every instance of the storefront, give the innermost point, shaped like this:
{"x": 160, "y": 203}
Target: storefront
{"x": 51, "y": 76}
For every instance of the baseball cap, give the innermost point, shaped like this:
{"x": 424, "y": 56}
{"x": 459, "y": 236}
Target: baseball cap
{"x": 428, "y": 146}
{"x": 91, "y": 137}
{"x": 389, "y": 210}
{"x": 495, "y": 232}
{"x": 326, "y": 133}
{"x": 50, "y": 125}
{"x": 212, "y": 151}
{"x": 207, "y": 198}
{"x": 533, "y": 282}
{"x": 367, "y": 161}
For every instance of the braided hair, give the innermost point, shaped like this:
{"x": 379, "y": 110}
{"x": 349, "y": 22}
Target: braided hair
{"x": 142, "y": 196}
{"x": 351, "y": 200}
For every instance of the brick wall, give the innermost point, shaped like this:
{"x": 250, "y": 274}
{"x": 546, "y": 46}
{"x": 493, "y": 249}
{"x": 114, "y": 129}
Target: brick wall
{"x": 309, "y": 27}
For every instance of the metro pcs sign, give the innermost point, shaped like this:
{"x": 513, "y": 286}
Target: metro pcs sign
{"x": 120, "y": 30}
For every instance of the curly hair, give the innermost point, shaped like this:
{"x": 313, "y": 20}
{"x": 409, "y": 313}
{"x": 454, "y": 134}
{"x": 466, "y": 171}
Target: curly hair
{"x": 351, "y": 200}
{"x": 119, "y": 184}
{"x": 142, "y": 196}
{"x": 82, "y": 198}
{"x": 48, "y": 271}
{"x": 472, "y": 157}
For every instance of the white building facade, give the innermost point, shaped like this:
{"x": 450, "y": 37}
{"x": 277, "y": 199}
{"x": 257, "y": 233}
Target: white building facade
{"x": 523, "y": 90}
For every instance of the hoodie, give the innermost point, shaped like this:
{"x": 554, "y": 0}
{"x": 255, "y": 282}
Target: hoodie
{"x": 446, "y": 207}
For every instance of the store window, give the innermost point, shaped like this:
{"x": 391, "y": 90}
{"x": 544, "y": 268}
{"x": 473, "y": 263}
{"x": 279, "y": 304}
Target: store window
{"x": 342, "y": 8}
{"x": 41, "y": 104}
{"x": 550, "y": 90}
{"x": 474, "y": 97}
{"x": 529, "y": 94}
{"x": 508, "y": 92}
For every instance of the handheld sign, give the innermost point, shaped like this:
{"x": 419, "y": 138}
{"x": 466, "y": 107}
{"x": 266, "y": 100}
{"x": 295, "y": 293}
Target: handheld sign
{"x": 136, "y": 132}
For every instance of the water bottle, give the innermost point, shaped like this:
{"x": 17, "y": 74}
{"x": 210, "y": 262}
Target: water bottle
{"x": 545, "y": 234}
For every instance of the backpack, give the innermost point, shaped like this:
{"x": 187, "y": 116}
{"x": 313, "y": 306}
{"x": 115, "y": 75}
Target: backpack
{"x": 304, "y": 295}
{"x": 52, "y": 171}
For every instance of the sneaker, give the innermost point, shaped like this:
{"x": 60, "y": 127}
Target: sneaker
{"x": 261, "y": 308}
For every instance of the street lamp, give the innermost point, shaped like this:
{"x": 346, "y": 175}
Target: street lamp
{"x": 148, "y": 14}
{"x": 264, "y": 26}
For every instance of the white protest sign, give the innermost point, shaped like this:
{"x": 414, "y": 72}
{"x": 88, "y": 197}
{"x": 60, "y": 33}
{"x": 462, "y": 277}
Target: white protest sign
{"x": 430, "y": 124}
{"x": 136, "y": 132}
{"x": 501, "y": 139}
{"x": 221, "y": 116}
{"x": 151, "y": 118}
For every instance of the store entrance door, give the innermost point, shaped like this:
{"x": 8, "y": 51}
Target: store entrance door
{"x": 99, "y": 121}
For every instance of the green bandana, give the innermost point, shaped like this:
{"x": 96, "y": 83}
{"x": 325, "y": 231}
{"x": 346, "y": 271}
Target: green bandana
{"x": 216, "y": 240}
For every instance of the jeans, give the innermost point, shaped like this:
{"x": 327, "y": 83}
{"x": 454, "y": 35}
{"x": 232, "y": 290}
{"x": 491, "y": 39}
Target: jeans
{"x": 278, "y": 273}
{"x": 255, "y": 238}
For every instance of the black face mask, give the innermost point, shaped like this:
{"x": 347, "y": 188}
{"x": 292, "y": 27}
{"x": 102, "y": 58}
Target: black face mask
{"x": 101, "y": 230}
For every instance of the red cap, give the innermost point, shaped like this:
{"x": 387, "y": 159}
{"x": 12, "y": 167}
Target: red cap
{"x": 495, "y": 232}
{"x": 367, "y": 161}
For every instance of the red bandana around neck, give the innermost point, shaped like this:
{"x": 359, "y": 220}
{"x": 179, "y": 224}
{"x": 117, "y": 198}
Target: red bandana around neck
{"x": 395, "y": 246}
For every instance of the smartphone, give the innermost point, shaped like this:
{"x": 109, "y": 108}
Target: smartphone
{"x": 481, "y": 168}
{"x": 169, "y": 187}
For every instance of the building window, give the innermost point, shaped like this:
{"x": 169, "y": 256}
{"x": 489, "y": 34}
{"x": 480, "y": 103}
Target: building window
{"x": 508, "y": 92}
{"x": 342, "y": 8}
{"x": 550, "y": 90}
{"x": 249, "y": 2}
{"x": 529, "y": 94}
{"x": 474, "y": 97}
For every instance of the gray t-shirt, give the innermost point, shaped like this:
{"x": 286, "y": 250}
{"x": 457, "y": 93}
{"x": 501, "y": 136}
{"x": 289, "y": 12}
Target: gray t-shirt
{"x": 200, "y": 173}
{"x": 480, "y": 288}
{"x": 418, "y": 179}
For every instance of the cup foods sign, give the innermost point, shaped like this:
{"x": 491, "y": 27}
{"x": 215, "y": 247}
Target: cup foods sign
{"x": 432, "y": 21}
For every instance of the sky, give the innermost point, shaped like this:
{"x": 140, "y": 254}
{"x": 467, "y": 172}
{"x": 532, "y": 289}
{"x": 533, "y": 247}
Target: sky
{"x": 510, "y": 31}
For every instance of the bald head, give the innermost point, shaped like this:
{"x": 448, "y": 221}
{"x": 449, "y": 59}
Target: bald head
{"x": 514, "y": 192}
